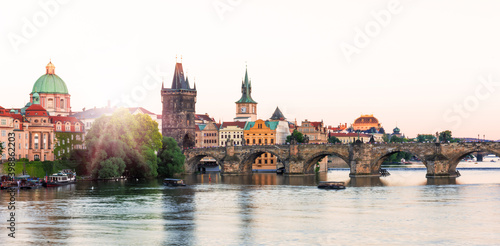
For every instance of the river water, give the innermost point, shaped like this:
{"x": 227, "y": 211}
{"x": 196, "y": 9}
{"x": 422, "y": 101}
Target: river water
{"x": 264, "y": 208}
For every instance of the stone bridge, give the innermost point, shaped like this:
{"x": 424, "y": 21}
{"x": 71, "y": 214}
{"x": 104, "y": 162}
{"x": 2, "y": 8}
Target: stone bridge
{"x": 441, "y": 159}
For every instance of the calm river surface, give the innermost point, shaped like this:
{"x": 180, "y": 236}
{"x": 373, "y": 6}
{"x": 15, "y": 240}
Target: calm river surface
{"x": 403, "y": 208}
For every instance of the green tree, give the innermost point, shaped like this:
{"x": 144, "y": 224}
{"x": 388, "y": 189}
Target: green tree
{"x": 298, "y": 136}
{"x": 385, "y": 138}
{"x": 170, "y": 158}
{"x": 131, "y": 138}
{"x": 445, "y": 136}
{"x": 333, "y": 140}
{"x": 396, "y": 139}
{"x": 1, "y": 148}
{"x": 422, "y": 138}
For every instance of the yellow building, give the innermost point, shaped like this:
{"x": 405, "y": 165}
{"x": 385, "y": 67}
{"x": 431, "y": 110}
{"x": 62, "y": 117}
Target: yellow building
{"x": 366, "y": 122}
{"x": 262, "y": 133}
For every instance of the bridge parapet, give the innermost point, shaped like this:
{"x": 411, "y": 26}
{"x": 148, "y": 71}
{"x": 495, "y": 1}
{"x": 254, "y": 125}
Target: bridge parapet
{"x": 363, "y": 159}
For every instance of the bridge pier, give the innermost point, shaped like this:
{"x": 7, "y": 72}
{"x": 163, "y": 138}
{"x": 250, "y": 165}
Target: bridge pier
{"x": 439, "y": 167}
{"x": 235, "y": 168}
{"x": 362, "y": 168}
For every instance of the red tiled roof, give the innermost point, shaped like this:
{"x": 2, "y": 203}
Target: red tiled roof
{"x": 64, "y": 119}
{"x": 203, "y": 117}
{"x": 36, "y": 110}
{"x": 240, "y": 124}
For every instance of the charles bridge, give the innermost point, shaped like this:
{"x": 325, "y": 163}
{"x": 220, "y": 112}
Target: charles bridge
{"x": 440, "y": 159}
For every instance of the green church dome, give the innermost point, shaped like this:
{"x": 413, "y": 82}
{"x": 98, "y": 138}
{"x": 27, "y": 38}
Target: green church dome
{"x": 50, "y": 82}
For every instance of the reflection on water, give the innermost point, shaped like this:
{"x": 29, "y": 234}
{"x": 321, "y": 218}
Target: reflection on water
{"x": 264, "y": 208}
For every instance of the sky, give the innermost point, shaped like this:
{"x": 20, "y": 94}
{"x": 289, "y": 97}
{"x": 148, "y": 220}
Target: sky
{"x": 424, "y": 66}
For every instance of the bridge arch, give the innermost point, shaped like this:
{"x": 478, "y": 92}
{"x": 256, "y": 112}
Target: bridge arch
{"x": 249, "y": 158}
{"x": 193, "y": 161}
{"x": 316, "y": 157}
{"x": 375, "y": 165}
{"x": 455, "y": 159}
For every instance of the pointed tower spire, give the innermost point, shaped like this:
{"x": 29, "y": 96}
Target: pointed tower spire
{"x": 246, "y": 90}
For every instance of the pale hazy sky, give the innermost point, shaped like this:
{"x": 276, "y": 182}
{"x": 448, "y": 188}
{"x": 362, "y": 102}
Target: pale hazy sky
{"x": 417, "y": 64}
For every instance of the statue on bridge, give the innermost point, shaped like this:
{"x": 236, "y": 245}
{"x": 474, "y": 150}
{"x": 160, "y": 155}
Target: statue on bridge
{"x": 306, "y": 139}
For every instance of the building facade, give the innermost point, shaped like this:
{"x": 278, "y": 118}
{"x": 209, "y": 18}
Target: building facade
{"x": 207, "y": 136}
{"x": 178, "y": 115}
{"x": 69, "y": 134}
{"x": 315, "y": 130}
{"x": 246, "y": 107}
{"x": 262, "y": 133}
{"x": 231, "y": 133}
{"x": 346, "y": 138}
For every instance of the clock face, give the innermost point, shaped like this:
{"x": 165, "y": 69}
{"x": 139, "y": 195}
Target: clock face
{"x": 243, "y": 109}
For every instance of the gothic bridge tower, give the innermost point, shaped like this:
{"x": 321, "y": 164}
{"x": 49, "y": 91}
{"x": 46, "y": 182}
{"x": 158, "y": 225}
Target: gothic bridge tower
{"x": 179, "y": 109}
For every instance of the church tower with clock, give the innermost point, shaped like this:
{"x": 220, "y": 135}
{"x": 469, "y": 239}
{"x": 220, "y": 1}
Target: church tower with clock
{"x": 246, "y": 107}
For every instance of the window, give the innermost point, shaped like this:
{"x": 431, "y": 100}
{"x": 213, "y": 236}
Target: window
{"x": 51, "y": 103}
{"x": 4, "y": 133}
{"x": 58, "y": 127}
{"x": 272, "y": 161}
{"x": 265, "y": 161}
{"x": 37, "y": 157}
{"x": 19, "y": 146}
{"x": 68, "y": 127}
{"x": 253, "y": 141}
{"x": 260, "y": 141}
{"x": 272, "y": 141}
{"x": 36, "y": 141}
{"x": 4, "y": 121}
{"x": 62, "y": 104}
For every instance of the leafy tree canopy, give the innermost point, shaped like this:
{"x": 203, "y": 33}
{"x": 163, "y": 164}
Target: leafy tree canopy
{"x": 333, "y": 139}
{"x": 122, "y": 143}
{"x": 170, "y": 158}
{"x": 297, "y": 135}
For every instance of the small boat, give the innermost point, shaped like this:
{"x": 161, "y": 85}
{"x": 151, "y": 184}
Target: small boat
{"x": 331, "y": 185}
{"x": 30, "y": 184}
{"x": 173, "y": 182}
{"x": 58, "y": 179}
{"x": 8, "y": 185}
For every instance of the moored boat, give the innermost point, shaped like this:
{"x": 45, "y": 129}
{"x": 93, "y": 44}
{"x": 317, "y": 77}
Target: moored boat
{"x": 59, "y": 179}
{"x": 331, "y": 185}
{"x": 173, "y": 182}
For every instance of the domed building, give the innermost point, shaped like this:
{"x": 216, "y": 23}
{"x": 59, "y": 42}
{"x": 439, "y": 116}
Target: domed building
{"x": 51, "y": 93}
{"x": 366, "y": 122}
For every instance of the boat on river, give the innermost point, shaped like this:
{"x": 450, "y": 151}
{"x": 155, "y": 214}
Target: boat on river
{"x": 331, "y": 185}
{"x": 64, "y": 177}
{"x": 173, "y": 182}
{"x": 30, "y": 184}
{"x": 8, "y": 185}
